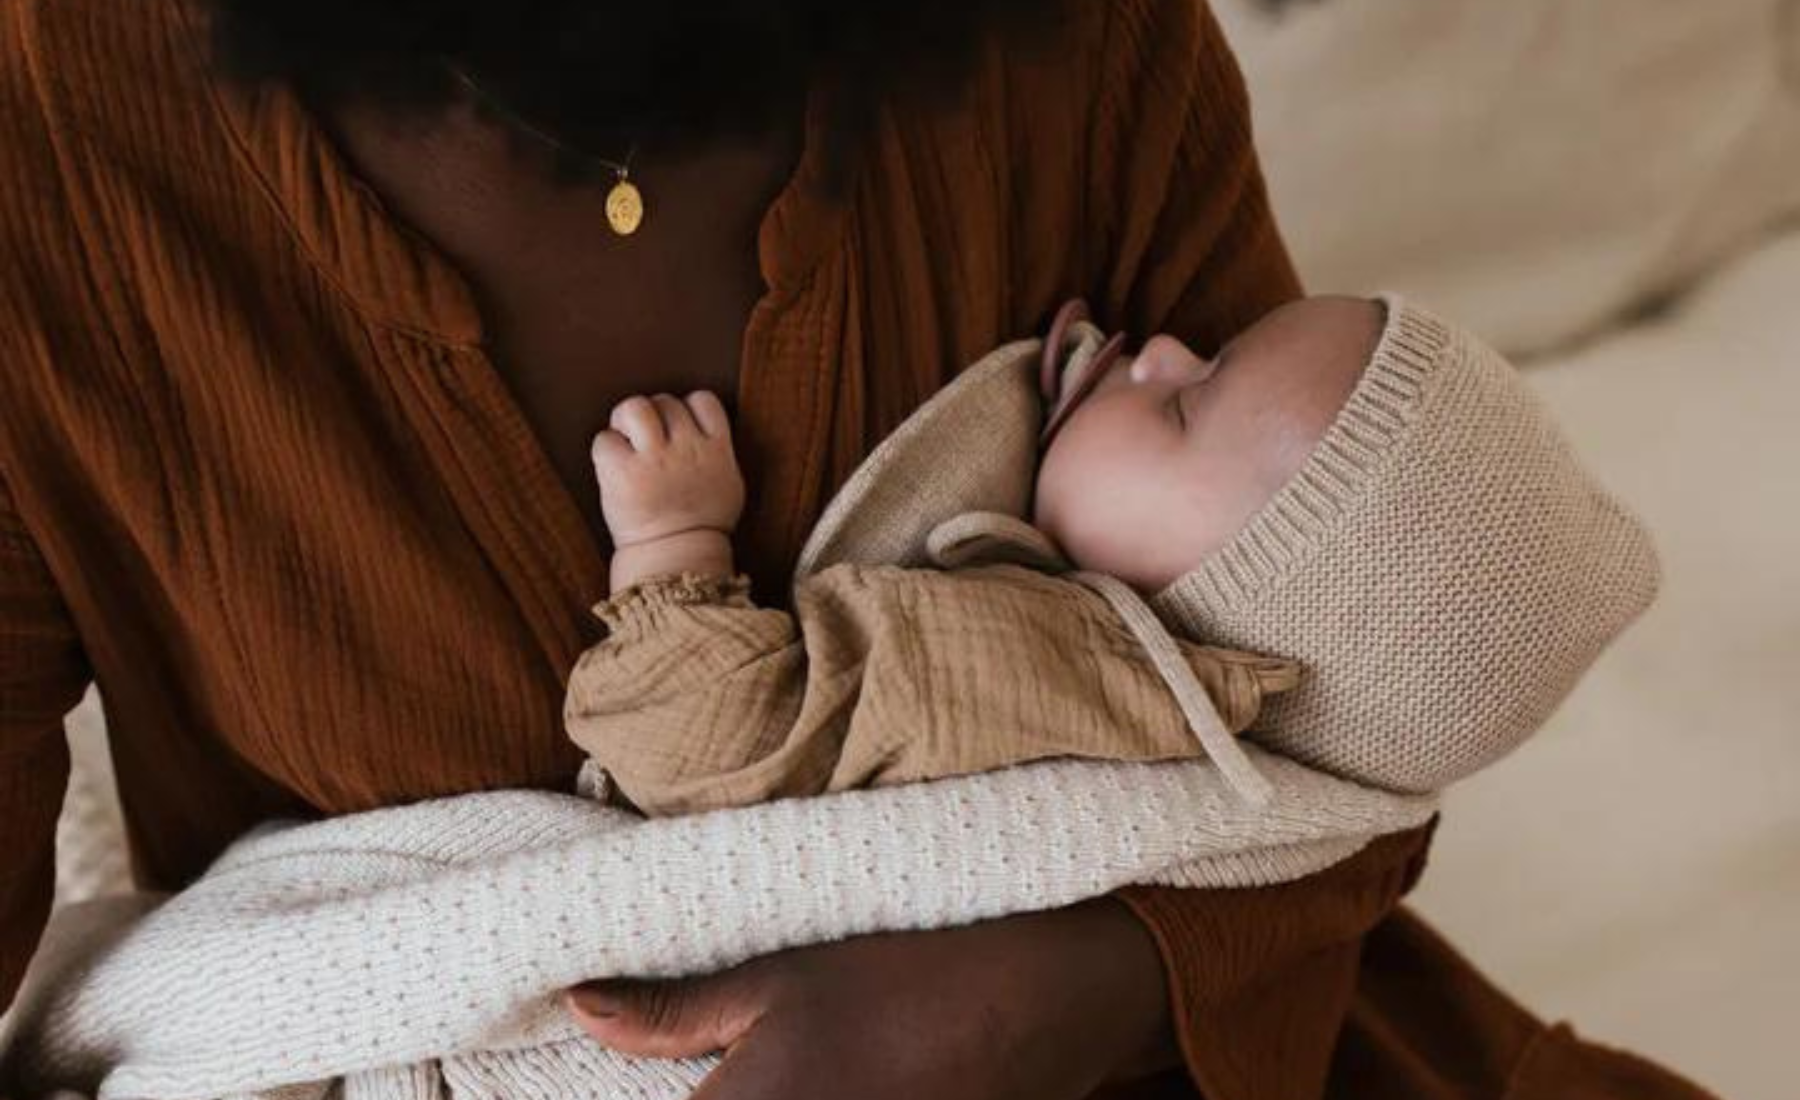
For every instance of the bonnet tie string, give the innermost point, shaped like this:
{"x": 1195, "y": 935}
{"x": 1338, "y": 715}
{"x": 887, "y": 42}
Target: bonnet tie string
{"x": 1196, "y": 705}
{"x": 983, "y": 538}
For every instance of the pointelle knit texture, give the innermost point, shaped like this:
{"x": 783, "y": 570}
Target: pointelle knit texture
{"x": 419, "y": 952}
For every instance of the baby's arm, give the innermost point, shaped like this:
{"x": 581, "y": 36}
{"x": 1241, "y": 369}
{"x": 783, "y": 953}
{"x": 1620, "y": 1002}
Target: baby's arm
{"x": 669, "y": 487}
{"x": 694, "y": 700}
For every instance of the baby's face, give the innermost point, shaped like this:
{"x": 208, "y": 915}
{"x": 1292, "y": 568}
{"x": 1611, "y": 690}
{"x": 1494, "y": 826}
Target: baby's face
{"x": 1172, "y": 454}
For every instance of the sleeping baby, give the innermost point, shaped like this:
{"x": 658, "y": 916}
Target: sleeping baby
{"x": 1352, "y": 536}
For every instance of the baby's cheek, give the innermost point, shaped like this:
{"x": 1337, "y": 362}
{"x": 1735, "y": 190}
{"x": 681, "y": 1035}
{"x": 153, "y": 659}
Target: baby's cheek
{"x": 1223, "y": 496}
{"x": 1105, "y": 530}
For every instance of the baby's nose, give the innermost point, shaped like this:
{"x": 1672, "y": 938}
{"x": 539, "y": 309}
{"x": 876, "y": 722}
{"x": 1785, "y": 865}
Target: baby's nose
{"x": 1166, "y": 359}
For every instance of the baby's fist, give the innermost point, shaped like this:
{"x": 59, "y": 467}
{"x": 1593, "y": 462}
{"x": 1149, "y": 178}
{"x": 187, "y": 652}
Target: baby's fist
{"x": 666, "y": 467}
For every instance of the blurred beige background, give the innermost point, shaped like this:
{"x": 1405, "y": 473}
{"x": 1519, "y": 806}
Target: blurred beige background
{"x": 1609, "y": 190}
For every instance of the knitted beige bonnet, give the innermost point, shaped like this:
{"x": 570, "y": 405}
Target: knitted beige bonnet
{"x": 1442, "y": 566}
{"x": 1442, "y": 563}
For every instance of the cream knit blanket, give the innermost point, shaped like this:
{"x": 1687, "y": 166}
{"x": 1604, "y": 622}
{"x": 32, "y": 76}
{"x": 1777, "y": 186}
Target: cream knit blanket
{"x": 419, "y": 952}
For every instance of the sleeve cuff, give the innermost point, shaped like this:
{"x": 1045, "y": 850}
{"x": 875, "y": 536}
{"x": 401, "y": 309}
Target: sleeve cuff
{"x": 646, "y": 607}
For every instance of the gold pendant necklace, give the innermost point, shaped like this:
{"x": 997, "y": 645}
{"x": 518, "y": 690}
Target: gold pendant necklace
{"x": 625, "y": 207}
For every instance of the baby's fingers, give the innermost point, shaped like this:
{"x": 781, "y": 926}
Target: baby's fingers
{"x": 676, "y": 418}
{"x": 709, "y": 413}
{"x": 637, "y": 419}
{"x": 610, "y": 448}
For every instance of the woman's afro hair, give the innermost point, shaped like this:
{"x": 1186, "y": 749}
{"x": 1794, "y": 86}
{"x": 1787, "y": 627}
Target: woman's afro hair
{"x": 606, "y": 74}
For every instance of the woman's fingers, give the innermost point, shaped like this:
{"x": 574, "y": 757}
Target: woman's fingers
{"x": 685, "y": 1019}
{"x": 672, "y": 1019}
{"x": 638, "y": 420}
{"x": 900, "y": 1015}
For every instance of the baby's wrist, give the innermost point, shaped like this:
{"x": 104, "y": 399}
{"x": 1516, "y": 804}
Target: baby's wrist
{"x": 702, "y": 551}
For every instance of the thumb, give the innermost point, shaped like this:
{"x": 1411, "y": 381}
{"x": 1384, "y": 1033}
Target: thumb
{"x": 673, "y": 1019}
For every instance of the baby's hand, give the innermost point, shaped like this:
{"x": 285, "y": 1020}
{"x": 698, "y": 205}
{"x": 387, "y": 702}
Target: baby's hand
{"x": 666, "y": 469}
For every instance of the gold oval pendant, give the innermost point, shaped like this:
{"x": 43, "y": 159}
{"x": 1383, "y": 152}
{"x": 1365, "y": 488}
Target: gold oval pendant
{"x": 625, "y": 208}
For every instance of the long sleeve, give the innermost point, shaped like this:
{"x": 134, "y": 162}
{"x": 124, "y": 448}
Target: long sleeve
{"x": 699, "y": 700}
{"x": 43, "y": 670}
{"x": 42, "y": 676}
{"x": 1261, "y": 980}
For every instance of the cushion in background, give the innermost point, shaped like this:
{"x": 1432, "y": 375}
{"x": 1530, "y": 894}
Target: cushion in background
{"x": 1634, "y": 868}
{"x": 91, "y": 858}
{"x": 1534, "y": 168}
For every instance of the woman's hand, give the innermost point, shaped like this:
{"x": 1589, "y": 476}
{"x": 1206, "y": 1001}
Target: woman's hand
{"x": 1047, "y": 1006}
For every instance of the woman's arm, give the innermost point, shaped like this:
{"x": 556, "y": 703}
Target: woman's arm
{"x": 42, "y": 676}
{"x": 1044, "y": 1006}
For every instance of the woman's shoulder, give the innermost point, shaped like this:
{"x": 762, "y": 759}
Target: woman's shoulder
{"x": 40, "y": 241}
{"x": 27, "y": 158}
{"x": 113, "y": 163}
{"x": 1153, "y": 81}
{"x": 85, "y": 77}
{"x": 1060, "y": 155}
{"x": 111, "y": 153}
{"x": 1096, "y": 73}
{"x": 92, "y": 93}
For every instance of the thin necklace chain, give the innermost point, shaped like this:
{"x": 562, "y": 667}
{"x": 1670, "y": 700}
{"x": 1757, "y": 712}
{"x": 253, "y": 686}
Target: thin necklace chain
{"x": 537, "y": 133}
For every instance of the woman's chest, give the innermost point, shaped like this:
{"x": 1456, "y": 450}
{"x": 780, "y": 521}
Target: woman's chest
{"x": 602, "y": 320}
{"x": 576, "y": 316}
{"x": 370, "y": 557}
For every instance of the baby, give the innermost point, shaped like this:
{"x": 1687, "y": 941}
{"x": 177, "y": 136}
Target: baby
{"x": 1352, "y": 486}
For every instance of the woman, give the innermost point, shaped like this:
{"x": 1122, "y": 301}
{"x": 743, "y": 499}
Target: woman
{"x": 301, "y": 368}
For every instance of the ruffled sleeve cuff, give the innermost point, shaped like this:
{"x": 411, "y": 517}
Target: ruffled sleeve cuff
{"x": 648, "y": 607}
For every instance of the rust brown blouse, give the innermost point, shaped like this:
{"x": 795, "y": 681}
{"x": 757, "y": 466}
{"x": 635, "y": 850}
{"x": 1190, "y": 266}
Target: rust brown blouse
{"x": 261, "y": 483}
